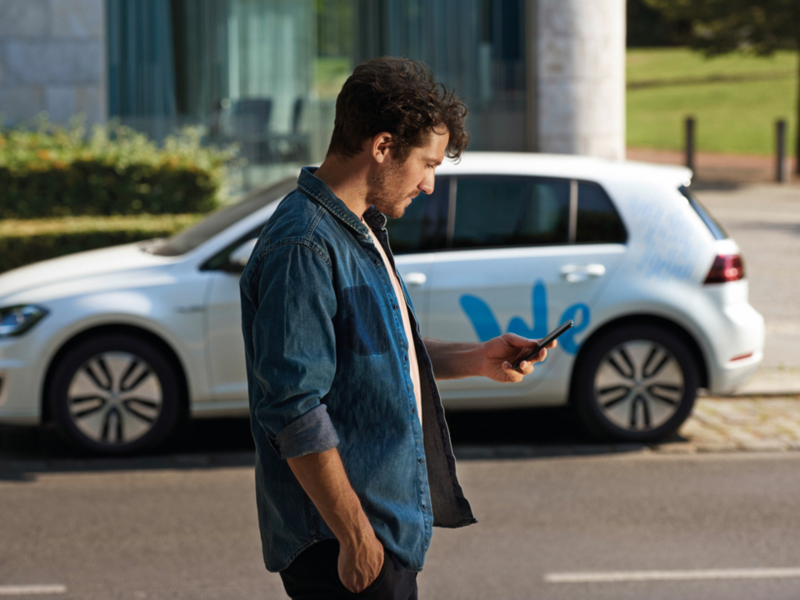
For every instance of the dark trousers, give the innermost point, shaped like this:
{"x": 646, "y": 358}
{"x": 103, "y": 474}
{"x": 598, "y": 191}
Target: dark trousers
{"x": 314, "y": 575}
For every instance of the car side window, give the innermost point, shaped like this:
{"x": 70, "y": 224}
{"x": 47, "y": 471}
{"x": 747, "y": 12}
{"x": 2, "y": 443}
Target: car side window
{"x": 495, "y": 212}
{"x": 423, "y": 227}
{"x": 598, "y": 221}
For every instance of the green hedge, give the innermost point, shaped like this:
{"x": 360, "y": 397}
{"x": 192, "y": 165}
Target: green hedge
{"x": 24, "y": 242}
{"x": 53, "y": 171}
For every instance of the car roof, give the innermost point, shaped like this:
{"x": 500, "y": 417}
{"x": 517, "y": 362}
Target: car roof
{"x": 564, "y": 165}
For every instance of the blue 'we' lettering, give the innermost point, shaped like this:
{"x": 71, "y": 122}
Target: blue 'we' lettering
{"x": 486, "y": 326}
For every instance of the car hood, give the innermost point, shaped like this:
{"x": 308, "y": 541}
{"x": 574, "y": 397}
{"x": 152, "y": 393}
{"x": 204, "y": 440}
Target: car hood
{"x": 84, "y": 272}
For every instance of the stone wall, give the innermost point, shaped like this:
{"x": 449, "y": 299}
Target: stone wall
{"x": 53, "y": 59}
{"x": 580, "y": 77}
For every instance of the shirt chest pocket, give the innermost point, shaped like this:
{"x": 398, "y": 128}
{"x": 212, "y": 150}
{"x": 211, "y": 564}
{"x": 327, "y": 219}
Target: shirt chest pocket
{"x": 365, "y": 326}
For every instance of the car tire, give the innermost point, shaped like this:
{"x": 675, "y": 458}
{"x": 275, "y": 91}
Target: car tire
{"x": 637, "y": 383}
{"x": 115, "y": 394}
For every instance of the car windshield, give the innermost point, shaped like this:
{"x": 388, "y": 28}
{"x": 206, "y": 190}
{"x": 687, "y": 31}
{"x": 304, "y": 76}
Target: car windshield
{"x": 190, "y": 238}
{"x": 716, "y": 229}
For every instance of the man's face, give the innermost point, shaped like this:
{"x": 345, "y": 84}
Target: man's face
{"x": 395, "y": 184}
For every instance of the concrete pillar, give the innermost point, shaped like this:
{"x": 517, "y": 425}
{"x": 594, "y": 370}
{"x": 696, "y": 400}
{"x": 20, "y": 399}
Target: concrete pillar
{"x": 53, "y": 58}
{"x": 579, "y": 82}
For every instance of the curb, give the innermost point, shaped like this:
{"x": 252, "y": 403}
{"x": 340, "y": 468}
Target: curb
{"x": 470, "y": 453}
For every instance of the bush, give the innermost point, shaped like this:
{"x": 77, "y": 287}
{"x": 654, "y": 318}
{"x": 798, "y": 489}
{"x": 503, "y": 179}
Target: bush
{"x": 24, "y": 242}
{"x": 53, "y": 171}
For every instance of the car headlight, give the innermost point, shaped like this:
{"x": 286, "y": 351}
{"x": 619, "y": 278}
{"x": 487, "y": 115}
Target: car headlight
{"x": 16, "y": 320}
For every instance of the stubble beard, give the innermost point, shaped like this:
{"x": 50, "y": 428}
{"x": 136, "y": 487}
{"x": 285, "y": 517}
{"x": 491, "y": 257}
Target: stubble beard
{"x": 382, "y": 190}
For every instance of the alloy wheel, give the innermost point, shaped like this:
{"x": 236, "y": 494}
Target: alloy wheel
{"x": 115, "y": 398}
{"x": 639, "y": 385}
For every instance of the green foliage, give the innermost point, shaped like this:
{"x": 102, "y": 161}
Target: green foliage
{"x": 27, "y": 241}
{"x": 51, "y": 171}
{"x": 735, "y": 116}
{"x": 648, "y": 27}
{"x": 721, "y": 26}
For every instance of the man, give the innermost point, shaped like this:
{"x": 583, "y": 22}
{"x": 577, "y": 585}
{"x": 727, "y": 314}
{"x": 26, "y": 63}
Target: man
{"x": 353, "y": 458}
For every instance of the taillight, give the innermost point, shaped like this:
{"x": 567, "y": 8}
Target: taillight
{"x": 726, "y": 267}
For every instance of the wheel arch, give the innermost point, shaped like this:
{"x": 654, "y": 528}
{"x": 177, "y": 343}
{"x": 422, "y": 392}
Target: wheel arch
{"x": 640, "y": 319}
{"x": 118, "y": 328}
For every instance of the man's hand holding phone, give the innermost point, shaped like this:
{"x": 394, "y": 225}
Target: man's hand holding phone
{"x": 547, "y": 341}
{"x": 501, "y": 353}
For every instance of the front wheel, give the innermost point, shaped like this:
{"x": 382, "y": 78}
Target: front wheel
{"x": 114, "y": 394}
{"x": 637, "y": 383}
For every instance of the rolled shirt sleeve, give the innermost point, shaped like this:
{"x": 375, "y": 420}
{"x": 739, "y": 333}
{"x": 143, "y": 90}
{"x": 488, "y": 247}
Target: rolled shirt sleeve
{"x": 294, "y": 349}
{"x": 313, "y": 432}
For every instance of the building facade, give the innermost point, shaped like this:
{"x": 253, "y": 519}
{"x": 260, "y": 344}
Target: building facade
{"x": 537, "y": 75}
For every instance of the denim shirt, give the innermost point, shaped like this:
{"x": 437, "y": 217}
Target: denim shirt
{"x": 327, "y": 366}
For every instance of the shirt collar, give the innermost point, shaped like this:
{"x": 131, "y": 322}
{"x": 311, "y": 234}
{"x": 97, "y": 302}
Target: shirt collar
{"x": 319, "y": 191}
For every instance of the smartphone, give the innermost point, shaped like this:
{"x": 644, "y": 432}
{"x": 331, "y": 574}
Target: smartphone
{"x": 531, "y": 352}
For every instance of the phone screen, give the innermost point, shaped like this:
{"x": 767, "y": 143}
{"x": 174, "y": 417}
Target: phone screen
{"x": 531, "y": 352}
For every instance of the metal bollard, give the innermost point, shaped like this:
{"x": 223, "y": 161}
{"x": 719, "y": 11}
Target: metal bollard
{"x": 690, "y": 142}
{"x": 781, "y": 167}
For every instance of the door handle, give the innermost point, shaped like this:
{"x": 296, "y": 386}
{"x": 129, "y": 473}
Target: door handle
{"x": 578, "y": 273}
{"x": 415, "y": 279}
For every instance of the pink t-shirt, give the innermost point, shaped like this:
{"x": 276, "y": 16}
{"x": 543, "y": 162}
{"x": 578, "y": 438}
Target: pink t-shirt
{"x": 401, "y": 302}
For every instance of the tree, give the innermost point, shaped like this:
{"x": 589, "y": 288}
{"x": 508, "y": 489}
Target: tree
{"x": 648, "y": 27}
{"x": 724, "y": 26}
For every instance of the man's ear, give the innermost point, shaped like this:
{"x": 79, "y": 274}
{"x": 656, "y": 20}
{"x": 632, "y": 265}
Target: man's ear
{"x": 381, "y": 146}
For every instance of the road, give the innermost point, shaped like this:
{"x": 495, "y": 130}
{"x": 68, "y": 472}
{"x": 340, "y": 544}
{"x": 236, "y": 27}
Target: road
{"x": 167, "y": 527}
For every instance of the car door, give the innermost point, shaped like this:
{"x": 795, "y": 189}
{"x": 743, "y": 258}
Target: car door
{"x": 226, "y": 361}
{"x": 520, "y": 259}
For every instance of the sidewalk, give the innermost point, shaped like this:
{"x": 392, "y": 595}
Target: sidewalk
{"x": 755, "y": 424}
{"x": 742, "y": 424}
{"x": 772, "y": 382}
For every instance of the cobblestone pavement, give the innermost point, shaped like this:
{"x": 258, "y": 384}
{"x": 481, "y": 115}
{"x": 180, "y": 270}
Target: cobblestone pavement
{"x": 755, "y": 424}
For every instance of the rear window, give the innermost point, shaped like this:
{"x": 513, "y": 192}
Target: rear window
{"x": 598, "y": 221}
{"x": 715, "y": 228}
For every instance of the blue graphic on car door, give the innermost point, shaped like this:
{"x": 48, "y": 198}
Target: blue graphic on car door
{"x": 486, "y": 326}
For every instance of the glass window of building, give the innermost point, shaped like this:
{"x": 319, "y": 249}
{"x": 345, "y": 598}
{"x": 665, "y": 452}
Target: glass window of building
{"x": 264, "y": 74}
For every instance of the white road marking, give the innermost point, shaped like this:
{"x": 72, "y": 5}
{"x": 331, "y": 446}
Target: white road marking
{"x": 710, "y": 574}
{"x": 32, "y": 590}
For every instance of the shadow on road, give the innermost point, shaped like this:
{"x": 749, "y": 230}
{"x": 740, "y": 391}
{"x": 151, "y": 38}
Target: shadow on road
{"x": 215, "y": 443}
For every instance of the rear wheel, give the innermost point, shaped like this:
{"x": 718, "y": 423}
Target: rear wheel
{"x": 114, "y": 394}
{"x": 637, "y": 383}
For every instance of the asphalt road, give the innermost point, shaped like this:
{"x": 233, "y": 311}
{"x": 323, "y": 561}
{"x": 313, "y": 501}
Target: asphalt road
{"x": 171, "y": 527}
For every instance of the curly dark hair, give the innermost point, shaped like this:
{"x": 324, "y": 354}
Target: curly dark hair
{"x": 399, "y": 96}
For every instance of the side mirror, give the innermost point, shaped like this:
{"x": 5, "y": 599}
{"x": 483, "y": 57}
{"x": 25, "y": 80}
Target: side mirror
{"x": 237, "y": 260}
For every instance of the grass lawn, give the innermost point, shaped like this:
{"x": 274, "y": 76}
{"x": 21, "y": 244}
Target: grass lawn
{"x": 734, "y": 116}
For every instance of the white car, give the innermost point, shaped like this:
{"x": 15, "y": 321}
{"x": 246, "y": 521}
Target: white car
{"x": 115, "y": 346}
